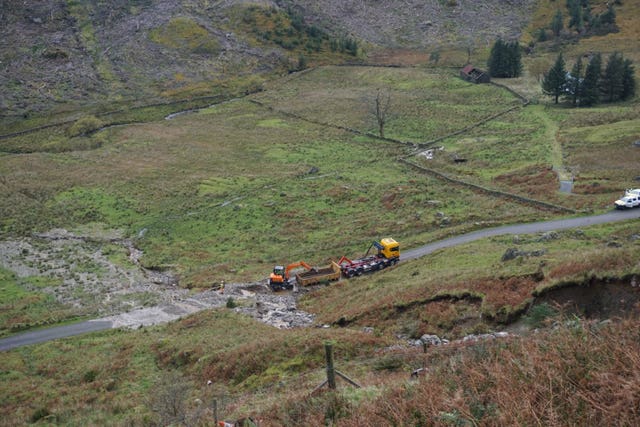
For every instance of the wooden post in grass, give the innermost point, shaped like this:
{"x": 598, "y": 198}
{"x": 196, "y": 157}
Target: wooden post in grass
{"x": 331, "y": 373}
{"x": 215, "y": 411}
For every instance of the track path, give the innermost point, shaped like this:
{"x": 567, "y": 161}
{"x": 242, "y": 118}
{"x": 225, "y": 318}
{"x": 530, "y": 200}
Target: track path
{"x": 48, "y": 334}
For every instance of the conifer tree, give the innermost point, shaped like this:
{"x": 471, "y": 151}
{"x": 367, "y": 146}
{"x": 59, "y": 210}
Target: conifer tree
{"x": 612, "y": 78}
{"x": 628, "y": 80}
{"x": 590, "y": 95}
{"x": 505, "y": 59}
{"x": 575, "y": 14}
{"x": 587, "y": 17}
{"x": 555, "y": 79}
{"x": 515, "y": 59}
{"x": 557, "y": 24}
{"x": 574, "y": 83}
{"x": 496, "y": 59}
{"x": 608, "y": 17}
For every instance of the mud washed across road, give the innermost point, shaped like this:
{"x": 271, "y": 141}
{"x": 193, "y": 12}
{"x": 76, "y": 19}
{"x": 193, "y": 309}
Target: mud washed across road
{"x": 123, "y": 294}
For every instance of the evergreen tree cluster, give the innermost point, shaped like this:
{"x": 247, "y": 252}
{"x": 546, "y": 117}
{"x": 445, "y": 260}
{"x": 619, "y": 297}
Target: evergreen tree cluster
{"x": 582, "y": 20}
{"x": 288, "y": 29}
{"x": 590, "y": 85}
{"x": 344, "y": 44}
{"x": 505, "y": 59}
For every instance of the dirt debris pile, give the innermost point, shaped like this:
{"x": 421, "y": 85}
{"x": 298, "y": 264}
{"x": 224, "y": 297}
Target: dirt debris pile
{"x": 100, "y": 275}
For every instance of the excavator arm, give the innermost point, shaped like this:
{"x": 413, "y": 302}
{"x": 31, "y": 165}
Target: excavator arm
{"x": 287, "y": 271}
{"x": 344, "y": 259}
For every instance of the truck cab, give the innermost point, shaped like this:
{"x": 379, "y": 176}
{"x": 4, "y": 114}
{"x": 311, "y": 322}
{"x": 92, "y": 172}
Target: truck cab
{"x": 388, "y": 248}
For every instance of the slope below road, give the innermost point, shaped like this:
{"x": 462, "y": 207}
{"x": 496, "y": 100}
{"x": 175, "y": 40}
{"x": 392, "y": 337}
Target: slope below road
{"x": 281, "y": 304}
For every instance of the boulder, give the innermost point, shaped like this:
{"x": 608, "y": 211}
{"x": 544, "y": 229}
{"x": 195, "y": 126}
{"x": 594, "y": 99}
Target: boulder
{"x": 430, "y": 339}
{"x": 509, "y": 254}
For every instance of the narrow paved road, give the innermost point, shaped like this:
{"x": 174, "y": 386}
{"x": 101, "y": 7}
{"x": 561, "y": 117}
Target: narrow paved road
{"x": 48, "y": 334}
{"x": 535, "y": 227}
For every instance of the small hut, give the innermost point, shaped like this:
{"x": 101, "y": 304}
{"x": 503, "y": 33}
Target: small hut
{"x": 475, "y": 75}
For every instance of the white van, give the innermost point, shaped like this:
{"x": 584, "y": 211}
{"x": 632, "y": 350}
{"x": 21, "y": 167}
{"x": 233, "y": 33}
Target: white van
{"x": 628, "y": 202}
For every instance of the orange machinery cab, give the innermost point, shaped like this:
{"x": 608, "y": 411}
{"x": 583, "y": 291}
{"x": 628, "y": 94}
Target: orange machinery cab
{"x": 277, "y": 276}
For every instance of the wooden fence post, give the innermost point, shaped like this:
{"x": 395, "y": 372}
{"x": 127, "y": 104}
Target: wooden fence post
{"x": 332, "y": 371}
{"x": 331, "y": 374}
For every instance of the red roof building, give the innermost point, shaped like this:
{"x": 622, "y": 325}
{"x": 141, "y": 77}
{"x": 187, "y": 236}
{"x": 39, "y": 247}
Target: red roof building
{"x": 475, "y": 75}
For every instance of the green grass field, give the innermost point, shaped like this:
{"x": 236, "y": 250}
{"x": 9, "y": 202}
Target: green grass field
{"x": 26, "y": 305}
{"x": 424, "y": 104}
{"x": 229, "y": 191}
{"x": 226, "y": 192}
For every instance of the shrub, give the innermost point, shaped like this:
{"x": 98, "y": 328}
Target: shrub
{"x": 39, "y": 414}
{"x": 84, "y": 126}
{"x": 538, "y": 314}
{"x": 89, "y": 376}
{"x": 388, "y": 363}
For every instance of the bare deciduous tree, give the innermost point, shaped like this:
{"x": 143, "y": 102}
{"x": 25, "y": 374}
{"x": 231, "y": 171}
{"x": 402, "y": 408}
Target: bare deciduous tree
{"x": 383, "y": 101}
{"x": 168, "y": 400}
{"x": 538, "y": 67}
{"x": 469, "y": 47}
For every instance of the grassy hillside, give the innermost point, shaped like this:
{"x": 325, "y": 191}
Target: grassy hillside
{"x": 94, "y": 54}
{"x": 247, "y": 187}
{"x": 274, "y": 170}
{"x": 466, "y": 289}
{"x": 127, "y": 377}
{"x": 232, "y": 189}
{"x": 295, "y": 172}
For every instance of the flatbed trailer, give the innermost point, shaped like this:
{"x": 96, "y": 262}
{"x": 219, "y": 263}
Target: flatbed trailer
{"x": 358, "y": 267}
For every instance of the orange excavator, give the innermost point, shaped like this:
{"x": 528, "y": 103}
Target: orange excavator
{"x": 279, "y": 278}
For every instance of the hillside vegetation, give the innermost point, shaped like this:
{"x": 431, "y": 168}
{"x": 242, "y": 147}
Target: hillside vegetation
{"x": 59, "y": 54}
{"x": 202, "y": 141}
{"x": 126, "y": 378}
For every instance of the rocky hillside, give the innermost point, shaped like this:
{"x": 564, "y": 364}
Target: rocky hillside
{"x": 57, "y": 54}
{"x": 422, "y": 24}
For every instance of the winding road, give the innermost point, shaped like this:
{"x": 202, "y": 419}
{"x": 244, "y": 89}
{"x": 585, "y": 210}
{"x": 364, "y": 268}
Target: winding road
{"x": 48, "y": 334}
{"x": 534, "y": 227}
